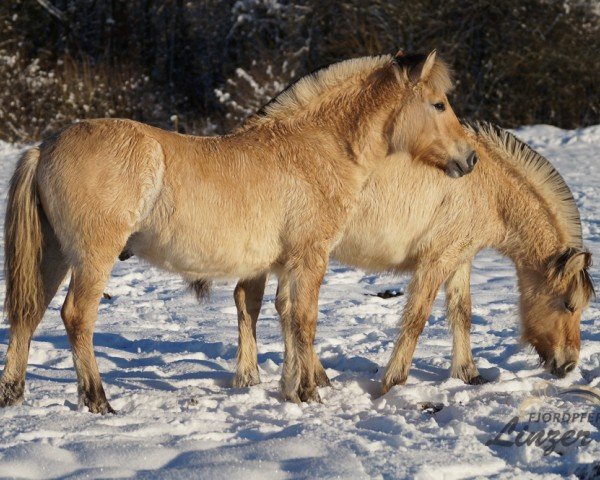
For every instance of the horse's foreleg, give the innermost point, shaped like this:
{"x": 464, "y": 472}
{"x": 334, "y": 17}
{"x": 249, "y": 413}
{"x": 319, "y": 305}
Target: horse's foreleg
{"x": 79, "y": 314}
{"x": 290, "y": 379}
{"x": 248, "y": 295}
{"x": 422, "y": 291}
{"x": 297, "y": 304}
{"x": 458, "y": 306}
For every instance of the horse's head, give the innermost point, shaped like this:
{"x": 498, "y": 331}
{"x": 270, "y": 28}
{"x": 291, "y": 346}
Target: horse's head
{"x": 552, "y": 301}
{"x": 427, "y": 127}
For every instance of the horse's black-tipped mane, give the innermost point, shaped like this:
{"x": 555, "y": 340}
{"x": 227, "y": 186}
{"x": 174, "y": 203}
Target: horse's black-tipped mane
{"x": 542, "y": 173}
{"x": 308, "y": 90}
{"x": 404, "y": 61}
{"x": 308, "y": 87}
{"x": 262, "y": 111}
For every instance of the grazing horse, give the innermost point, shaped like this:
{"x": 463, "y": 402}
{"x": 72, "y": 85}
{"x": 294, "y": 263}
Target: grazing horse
{"x": 193, "y": 205}
{"x": 411, "y": 219}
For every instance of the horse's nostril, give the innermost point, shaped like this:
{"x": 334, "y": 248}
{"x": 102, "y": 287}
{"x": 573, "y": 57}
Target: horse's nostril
{"x": 472, "y": 160}
{"x": 569, "y": 367}
{"x": 563, "y": 369}
{"x": 454, "y": 169}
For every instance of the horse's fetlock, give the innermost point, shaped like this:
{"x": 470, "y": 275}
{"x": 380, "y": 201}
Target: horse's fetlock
{"x": 465, "y": 372}
{"x": 94, "y": 399}
{"x": 309, "y": 394}
{"x": 392, "y": 380}
{"x": 246, "y": 378}
{"x": 11, "y": 392}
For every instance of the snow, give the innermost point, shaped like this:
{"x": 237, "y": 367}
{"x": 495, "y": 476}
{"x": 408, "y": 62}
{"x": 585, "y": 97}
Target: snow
{"x": 167, "y": 364}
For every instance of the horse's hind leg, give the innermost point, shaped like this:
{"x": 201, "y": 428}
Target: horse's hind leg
{"x": 53, "y": 270}
{"x": 458, "y": 306}
{"x": 321, "y": 378}
{"x": 79, "y": 314}
{"x": 248, "y": 295}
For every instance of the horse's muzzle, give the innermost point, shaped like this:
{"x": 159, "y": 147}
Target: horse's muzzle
{"x": 459, "y": 167}
{"x": 562, "y": 371}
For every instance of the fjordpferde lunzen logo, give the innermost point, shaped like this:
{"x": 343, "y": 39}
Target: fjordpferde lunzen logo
{"x": 546, "y": 421}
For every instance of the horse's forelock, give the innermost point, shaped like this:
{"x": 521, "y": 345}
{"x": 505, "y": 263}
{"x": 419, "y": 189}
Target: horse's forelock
{"x": 440, "y": 78}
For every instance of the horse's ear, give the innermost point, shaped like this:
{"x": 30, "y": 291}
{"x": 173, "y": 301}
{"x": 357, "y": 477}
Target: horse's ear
{"x": 421, "y": 71}
{"x": 567, "y": 264}
{"x": 428, "y": 65}
{"x": 576, "y": 263}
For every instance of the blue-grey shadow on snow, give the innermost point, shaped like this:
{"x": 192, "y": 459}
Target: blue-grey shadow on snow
{"x": 128, "y": 371}
{"x": 119, "y": 342}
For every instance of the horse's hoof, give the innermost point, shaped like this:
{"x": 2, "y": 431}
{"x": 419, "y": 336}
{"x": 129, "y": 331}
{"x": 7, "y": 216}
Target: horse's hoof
{"x": 310, "y": 395}
{"x": 389, "y": 383}
{"x": 477, "y": 380}
{"x": 246, "y": 379}
{"x": 95, "y": 404}
{"x": 11, "y": 393}
{"x": 303, "y": 395}
{"x": 291, "y": 397}
{"x": 100, "y": 407}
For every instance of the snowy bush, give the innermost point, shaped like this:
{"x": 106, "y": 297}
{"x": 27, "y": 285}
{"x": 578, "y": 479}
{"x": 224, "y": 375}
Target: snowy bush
{"x": 246, "y": 92}
{"x": 212, "y": 63}
{"x": 35, "y": 101}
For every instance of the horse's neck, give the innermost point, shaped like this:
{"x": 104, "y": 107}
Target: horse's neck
{"x": 351, "y": 119}
{"x": 322, "y": 139}
{"x": 530, "y": 231}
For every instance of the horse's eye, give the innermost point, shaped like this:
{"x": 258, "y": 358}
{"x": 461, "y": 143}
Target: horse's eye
{"x": 569, "y": 307}
{"x": 440, "y": 106}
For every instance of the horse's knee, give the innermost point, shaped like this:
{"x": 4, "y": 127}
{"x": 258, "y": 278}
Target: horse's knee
{"x": 73, "y": 319}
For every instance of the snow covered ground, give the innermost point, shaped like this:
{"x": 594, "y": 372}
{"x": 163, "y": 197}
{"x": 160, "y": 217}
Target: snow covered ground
{"x": 167, "y": 364}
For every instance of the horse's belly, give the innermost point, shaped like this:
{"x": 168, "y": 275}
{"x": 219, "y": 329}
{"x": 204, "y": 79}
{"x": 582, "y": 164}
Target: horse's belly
{"x": 373, "y": 252}
{"x": 216, "y": 254}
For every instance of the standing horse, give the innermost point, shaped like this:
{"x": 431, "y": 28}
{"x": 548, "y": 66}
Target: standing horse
{"x": 194, "y": 205}
{"x": 412, "y": 219}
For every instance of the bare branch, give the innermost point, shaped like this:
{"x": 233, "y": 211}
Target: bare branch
{"x": 52, "y": 10}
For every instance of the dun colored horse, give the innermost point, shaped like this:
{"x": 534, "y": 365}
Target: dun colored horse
{"x": 411, "y": 219}
{"x": 273, "y": 196}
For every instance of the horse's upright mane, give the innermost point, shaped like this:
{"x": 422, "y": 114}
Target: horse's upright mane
{"x": 540, "y": 171}
{"x": 304, "y": 91}
{"x": 310, "y": 89}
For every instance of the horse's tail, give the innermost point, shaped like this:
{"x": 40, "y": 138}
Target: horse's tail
{"x": 23, "y": 242}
